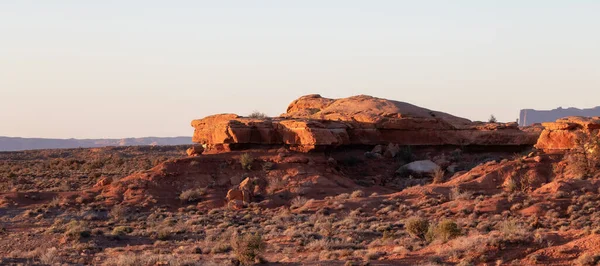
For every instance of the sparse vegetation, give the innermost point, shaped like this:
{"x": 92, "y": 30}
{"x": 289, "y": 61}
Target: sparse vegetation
{"x": 192, "y": 195}
{"x": 246, "y": 161}
{"x": 584, "y": 159}
{"x": 438, "y": 176}
{"x": 258, "y": 115}
{"x": 417, "y": 227}
{"x": 248, "y": 248}
{"x": 307, "y": 211}
{"x": 443, "y": 231}
{"x": 77, "y": 230}
{"x": 298, "y": 202}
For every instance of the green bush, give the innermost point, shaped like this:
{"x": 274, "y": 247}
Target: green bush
{"x": 417, "y": 227}
{"x": 246, "y": 161}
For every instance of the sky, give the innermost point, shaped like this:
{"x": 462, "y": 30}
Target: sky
{"x": 128, "y": 68}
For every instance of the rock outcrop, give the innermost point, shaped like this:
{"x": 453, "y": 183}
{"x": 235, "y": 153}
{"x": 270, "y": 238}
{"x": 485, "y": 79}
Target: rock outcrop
{"x": 313, "y": 122}
{"x": 529, "y": 117}
{"x": 424, "y": 167}
{"x": 195, "y": 150}
{"x": 564, "y": 133}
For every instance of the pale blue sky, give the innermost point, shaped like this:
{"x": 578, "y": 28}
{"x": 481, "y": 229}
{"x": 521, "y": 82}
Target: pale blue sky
{"x": 117, "y": 68}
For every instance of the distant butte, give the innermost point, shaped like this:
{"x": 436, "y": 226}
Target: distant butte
{"x": 529, "y": 117}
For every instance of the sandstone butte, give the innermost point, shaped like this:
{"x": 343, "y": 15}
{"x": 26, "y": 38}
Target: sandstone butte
{"x": 313, "y": 122}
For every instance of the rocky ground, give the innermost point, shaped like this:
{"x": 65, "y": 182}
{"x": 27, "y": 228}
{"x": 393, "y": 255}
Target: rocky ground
{"x": 331, "y": 182}
{"x": 350, "y": 207}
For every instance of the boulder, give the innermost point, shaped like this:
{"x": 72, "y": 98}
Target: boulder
{"x": 373, "y": 155}
{"x": 424, "y": 167}
{"x": 235, "y": 194}
{"x": 391, "y": 150}
{"x": 377, "y": 149}
{"x": 195, "y": 150}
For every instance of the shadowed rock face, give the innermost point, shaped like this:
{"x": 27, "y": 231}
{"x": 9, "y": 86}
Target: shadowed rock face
{"x": 529, "y": 116}
{"x": 313, "y": 121}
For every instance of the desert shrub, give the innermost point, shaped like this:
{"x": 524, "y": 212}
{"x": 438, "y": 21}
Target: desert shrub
{"x": 275, "y": 184}
{"x": 192, "y": 195}
{"x": 121, "y": 231}
{"x": 417, "y": 227}
{"x": 298, "y": 202}
{"x": 133, "y": 259}
{"x": 246, "y": 161}
{"x": 587, "y": 259}
{"x": 511, "y": 185}
{"x": 77, "y": 230}
{"x": 268, "y": 166}
{"x": 456, "y": 194}
{"x": 438, "y": 176}
{"x": 50, "y": 256}
{"x": 492, "y": 119}
{"x": 514, "y": 231}
{"x": 584, "y": 158}
{"x": 258, "y": 115}
{"x": 248, "y": 248}
{"x": 119, "y": 212}
{"x": 357, "y": 194}
{"x": 163, "y": 234}
{"x": 444, "y": 231}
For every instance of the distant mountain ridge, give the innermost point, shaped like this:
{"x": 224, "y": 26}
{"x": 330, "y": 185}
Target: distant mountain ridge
{"x": 529, "y": 117}
{"x": 19, "y": 144}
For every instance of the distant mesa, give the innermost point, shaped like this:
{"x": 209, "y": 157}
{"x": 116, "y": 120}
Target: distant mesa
{"x": 529, "y": 117}
{"x": 314, "y": 122}
{"x": 19, "y": 144}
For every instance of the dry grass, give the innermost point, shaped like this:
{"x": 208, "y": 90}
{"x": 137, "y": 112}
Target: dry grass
{"x": 246, "y": 161}
{"x": 192, "y": 195}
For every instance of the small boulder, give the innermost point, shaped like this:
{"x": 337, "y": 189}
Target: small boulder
{"x": 236, "y": 204}
{"x": 392, "y": 150}
{"x": 377, "y": 149}
{"x": 103, "y": 182}
{"x": 235, "y": 194}
{"x": 373, "y": 155}
{"x": 424, "y": 167}
{"x": 195, "y": 150}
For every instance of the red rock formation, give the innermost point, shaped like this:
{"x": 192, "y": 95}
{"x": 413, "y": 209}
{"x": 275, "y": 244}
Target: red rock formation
{"x": 312, "y": 122}
{"x": 563, "y": 134}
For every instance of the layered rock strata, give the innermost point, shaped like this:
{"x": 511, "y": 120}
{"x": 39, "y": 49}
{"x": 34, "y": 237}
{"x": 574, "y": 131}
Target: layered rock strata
{"x": 312, "y": 122}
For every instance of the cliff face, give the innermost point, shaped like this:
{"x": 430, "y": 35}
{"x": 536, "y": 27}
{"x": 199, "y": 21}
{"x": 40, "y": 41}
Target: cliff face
{"x": 529, "y": 116}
